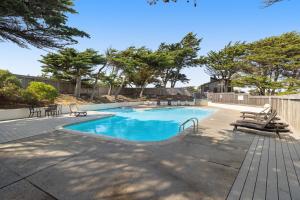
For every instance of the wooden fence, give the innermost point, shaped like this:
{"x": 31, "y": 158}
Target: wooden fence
{"x": 65, "y": 87}
{"x": 135, "y": 91}
{"x": 288, "y": 107}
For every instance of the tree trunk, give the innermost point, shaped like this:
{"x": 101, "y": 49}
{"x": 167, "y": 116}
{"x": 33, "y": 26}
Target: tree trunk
{"x": 165, "y": 79}
{"x": 262, "y": 91}
{"x": 94, "y": 89}
{"x": 142, "y": 92}
{"x": 226, "y": 85}
{"x": 109, "y": 90}
{"x": 277, "y": 73}
{"x": 165, "y": 82}
{"x": 96, "y": 81}
{"x": 142, "y": 89}
{"x": 120, "y": 88}
{"x": 175, "y": 79}
{"x": 77, "y": 87}
{"x": 173, "y": 83}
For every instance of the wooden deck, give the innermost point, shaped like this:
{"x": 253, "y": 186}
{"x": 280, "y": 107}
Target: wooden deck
{"x": 271, "y": 170}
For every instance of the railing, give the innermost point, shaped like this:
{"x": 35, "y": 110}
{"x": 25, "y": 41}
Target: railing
{"x": 195, "y": 124}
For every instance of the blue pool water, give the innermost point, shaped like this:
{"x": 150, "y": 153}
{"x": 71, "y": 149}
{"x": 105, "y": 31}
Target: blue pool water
{"x": 141, "y": 125}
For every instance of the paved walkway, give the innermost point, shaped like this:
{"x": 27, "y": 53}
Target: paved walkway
{"x": 213, "y": 164}
{"x": 60, "y": 165}
{"x": 22, "y": 128}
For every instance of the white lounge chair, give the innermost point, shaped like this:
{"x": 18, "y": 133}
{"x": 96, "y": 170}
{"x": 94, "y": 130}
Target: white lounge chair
{"x": 75, "y": 111}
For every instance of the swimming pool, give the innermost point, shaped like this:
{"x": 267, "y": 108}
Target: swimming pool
{"x": 139, "y": 124}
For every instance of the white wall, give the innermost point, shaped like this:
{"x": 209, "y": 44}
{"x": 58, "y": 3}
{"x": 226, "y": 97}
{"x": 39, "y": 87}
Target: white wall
{"x": 9, "y": 114}
{"x": 236, "y": 107}
{"x": 106, "y": 106}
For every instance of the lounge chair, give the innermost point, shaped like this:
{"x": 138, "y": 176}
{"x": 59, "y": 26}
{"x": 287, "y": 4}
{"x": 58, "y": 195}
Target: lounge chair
{"x": 185, "y": 103}
{"x": 259, "y": 116}
{"x": 178, "y": 103}
{"x": 264, "y": 125}
{"x": 164, "y": 103}
{"x": 247, "y": 114}
{"x": 192, "y": 103}
{"x": 75, "y": 111}
{"x": 174, "y": 103}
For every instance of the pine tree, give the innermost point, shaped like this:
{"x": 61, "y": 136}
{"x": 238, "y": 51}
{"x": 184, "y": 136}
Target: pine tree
{"x": 70, "y": 64}
{"x": 41, "y": 23}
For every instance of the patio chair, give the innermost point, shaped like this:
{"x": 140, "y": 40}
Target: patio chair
{"x": 163, "y": 103}
{"x": 158, "y": 102}
{"x": 75, "y": 111}
{"x": 51, "y": 110}
{"x": 34, "y": 110}
{"x": 247, "y": 114}
{"x": 186, "y": 103}
{"x": 178, "y": 103}
{"x": 191, "y": 103}
{"x": 259, "y": 116}
{"x": 267, "y": 125}
{"x": 174, "y": 103}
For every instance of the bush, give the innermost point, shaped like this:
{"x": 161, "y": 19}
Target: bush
{"x": 10, "y": 88}
{"x": 11, "y": 93}
{"x": 287, "y": 93}
{"x": 41, "y": 91}
{"x": 28, "y": 98}
{"x": 7, "y": 78}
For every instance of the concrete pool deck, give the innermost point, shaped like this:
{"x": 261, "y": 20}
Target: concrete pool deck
{"x": 59, "y": 165}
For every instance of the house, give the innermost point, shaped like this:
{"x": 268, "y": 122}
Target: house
{"x": 215, "y": 86}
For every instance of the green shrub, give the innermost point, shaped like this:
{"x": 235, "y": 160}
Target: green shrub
{"x": 10, "y": 88}
{"x": 287, "y": 93}
{"x": 7, "y": 78}
{"x": 28, "y": 98}
{"x": 41, "y": 91}
{"x": 11, "y": 93}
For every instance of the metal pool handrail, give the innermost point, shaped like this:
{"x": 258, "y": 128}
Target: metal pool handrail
{"x": 195, "y": 124}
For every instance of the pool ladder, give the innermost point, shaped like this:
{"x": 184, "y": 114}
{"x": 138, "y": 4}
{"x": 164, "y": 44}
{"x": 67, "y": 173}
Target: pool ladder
{"x": 195, "y": 124}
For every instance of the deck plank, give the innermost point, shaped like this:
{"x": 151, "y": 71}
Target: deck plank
{"x": 272, "y": 190}
{"x": 297, "y": 147}
{"x": 239, "y": 182}
{"x": 271, "y": 170}
{"x": 260, "y": 187}
{"x": 291, "y": 173}
{"x": 248, "y": 190}
{"x": 295, "y": 157}
{"x": 283, "y": 186}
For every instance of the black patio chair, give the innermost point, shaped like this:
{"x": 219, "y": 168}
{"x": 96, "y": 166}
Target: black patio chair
{"x": 51, "y": 110}
{"x": 34, "y": 110}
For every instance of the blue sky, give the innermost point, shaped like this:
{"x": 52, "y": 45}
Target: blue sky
{"x": 120, "y": 23}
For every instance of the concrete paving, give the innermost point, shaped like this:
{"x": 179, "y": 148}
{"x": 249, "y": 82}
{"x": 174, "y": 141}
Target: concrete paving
{"x": 61, "y": 165}
{"x": 22, "y": 128}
